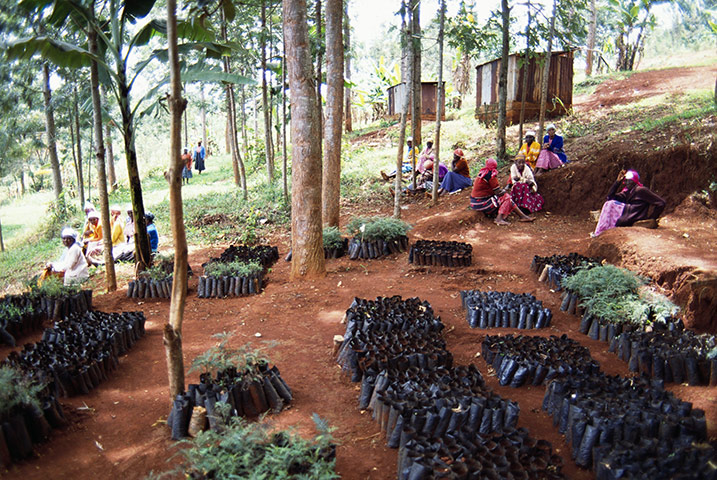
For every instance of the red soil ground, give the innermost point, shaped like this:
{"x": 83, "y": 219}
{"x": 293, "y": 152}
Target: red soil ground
{"x": 118, "y": 429}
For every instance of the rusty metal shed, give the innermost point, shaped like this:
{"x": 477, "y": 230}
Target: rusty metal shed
{"x": 560, "y": 87}
{"x": 396, "y": 96}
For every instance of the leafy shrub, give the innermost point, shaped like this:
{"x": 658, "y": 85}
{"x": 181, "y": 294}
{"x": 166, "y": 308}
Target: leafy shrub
{"x": 17, "y": 389}
{"x": 60, "y": 211}
{"x": 332, "y": 237}
{"x": 53, "y": 287}
{"x": 247, "y": 450}
{"x": 233, "y": 269}
{"x": 377, "y": 228}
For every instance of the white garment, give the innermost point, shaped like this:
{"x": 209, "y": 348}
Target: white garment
{"x": 525, "y": 177}
{"x": 74, "y": 265}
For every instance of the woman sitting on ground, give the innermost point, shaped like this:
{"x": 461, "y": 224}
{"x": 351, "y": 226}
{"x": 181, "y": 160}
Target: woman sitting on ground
{"x": 72, "y": 266}
{"x": 460, "y": 176}
{"x": 531, "y": 149}
{"x": 628, "y": 202}
{"x": 425, "y": 181}
{"x": 489, "y": 198}
{"x": 427, "y": 155}
{"x": 152, "y": 232}
{"x": 524, "y": 191}
{"x": 552, "y": 154}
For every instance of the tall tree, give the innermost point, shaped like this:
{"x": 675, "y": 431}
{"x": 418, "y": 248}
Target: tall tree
{"x": 319, "y": 73}
{"x": 591, "y": 39}
{"x": 331, "y": 190}
{"x": 265, "y": 106}
{"x": 173, "y": 329}
{"x": 348, "y": 126}
{"x": 503, "y": 79}
{"x": 405, "y": 42}
{"x": 546, "y": 73}
{"x": 440, "y": 104}
{"x": 111, "y": 279}
{"x": 76, "y": 109}
{"x": 284, "y": 156}
{"x": 416, "y": 84}
{"x": 51, "y": 132}
{"x": 111, "y": 175}
{"x": 526, "y": 64}
{"x": 306, "y": 231}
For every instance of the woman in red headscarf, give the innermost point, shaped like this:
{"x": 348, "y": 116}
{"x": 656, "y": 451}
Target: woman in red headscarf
{"x": 489, "y": 198}
{"x": 460, "y": 175}
{"x": 628, "y": 202}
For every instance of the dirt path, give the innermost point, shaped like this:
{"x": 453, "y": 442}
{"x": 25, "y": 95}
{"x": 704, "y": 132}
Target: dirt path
{"x": 120, "y": 433}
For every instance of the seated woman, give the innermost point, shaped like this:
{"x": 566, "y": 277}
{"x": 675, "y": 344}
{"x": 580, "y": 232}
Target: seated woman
{"x": 524, "y": 191}
{"x": 489, "y": 198}
{"x": 628, "y": 202}
{"x": 425, "y": 181}
{"x": 129, "y": 225}
{"x": 427, "y": 155}
{"x": 460, "y": 176}
{"x": 552, "y": 154}
{"x": 95, "y": 253}
{"x": 407, "y": 165}
{"x": 72, "y": 266}
{"x": 94, "y": 238}
{"x": 531, "y": 149}
{"x": 152, "y": 232}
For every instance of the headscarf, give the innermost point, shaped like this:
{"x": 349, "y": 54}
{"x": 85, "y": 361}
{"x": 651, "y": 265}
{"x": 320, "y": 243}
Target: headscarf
{"x": 67, "y": 232}
{"x": 458, "y": 152}
{"x": 93, "y": 214}
{"x": 530, "y": 133}
{"x": 491, "y": 166}
{"x": 552, "y": 125}
{"x": 634, "y": 176}
{"x": 116, "y": 208}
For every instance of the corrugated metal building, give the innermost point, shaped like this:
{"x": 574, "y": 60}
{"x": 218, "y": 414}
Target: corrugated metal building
{"x": 396, "y": 98}
{"x": 560, "y": 87}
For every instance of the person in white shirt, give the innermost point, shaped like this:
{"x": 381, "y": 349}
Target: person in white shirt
{"x": 72, "y": 266}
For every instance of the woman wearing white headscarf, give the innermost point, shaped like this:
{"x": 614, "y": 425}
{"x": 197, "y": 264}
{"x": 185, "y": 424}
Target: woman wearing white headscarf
{"x": 72, "y": 266}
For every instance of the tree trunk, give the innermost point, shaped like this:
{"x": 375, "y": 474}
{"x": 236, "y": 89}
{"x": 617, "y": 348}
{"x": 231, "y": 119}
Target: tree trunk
{"x": 177, "y": 104}
{"x": 334, "y": 107}
{"x": 398, "y": 184}
{"x": 284, "y": 158}
{"x": 242, "y": 117}
{"x": 439, "y": 104}
{"x": 186, "y": 129}
{"x": 110, "y": 277}
{"x": 503, "y": 80}
{"x": 268, "y": 150}
{"x": 546, "y": 75}
{"x": 203, "y": 117}
{"x": 111, "y": 174}
{"x": 416, "y": 111}
{"x": 348, "y": 125}
{"x": 80, "y": 180}
{"x": 78, "y": 171}
{"x": 50, "y": 132}
{"x": 306, "y": 232}
{"x": 591, "y": 39}
{"x": 228, "y": 135}
{"x": 319, "y": 74}
{"x": 526, "y": 64}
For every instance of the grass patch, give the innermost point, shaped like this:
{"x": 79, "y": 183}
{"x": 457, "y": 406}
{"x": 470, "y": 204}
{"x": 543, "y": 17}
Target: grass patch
{"x": 588, "y": 85}
{"x": 699, "y": 104}
{"x": 19, "y": 263}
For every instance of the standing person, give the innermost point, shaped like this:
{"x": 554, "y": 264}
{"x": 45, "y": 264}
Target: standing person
{"x": 628, "y": 202}
{"x": 460, "y": 175}
{"x": 187, "y": 170}
{"x": 489, "y": 198}
{"x": 198, "y": 157}
{"x": 129, "y": 225}
{"x": 531, "y": 149}
{"x": 72, "y": 266}
{"x": 524, "y": 190}
{"x": 552, "y": 154}
{"x": 152, "y": 232}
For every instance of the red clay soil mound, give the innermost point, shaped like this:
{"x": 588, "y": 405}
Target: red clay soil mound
{"x": 673, "y": 174}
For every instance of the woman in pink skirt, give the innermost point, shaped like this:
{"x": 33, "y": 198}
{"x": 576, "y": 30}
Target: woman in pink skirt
{"x": 552, "y": 154}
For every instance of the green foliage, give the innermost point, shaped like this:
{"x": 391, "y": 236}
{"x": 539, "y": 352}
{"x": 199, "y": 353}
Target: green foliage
{"x": 377, "y": 228}
{"x": 248, "y": 450}
{"x": 157, "y": 272}
{"x": 233, "y": 269}
{"x": 607, "y": 280}
{"x": 17, "y": 262}
{"x": 11, "y": 311}
{"x": 17, "y": 389}
{"x": 222, "y": 356}
{"x": 59, "y": 211}
{"x": 53, "y": 287}
{"x": 332, "y": 237}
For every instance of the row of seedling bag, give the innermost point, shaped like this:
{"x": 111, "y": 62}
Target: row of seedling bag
{"x": 641, "y": 326}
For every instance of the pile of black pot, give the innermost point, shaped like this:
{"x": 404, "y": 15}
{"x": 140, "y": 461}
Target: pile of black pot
{"x": 78, "y": 353}
{"x": 246, "y": 393}
{"x": 359, "y": 248}
{"x": 27, "y": 425}
{"x": 672, "y": 356}
{"x": 329, "y": 252}
{"x": 438, "y": 253}
{"x": 499, "y": 455}
{"x": 220, "y": 287}
{"x": 555, "y": 268}
{"x": 66, "y": 305}
{"x": 419, "y": 399}
{"x": 19, "y": 316}
{"x": 504, "y": 310}
{"x": 266, "y": 255}
{"x": 598, "y": 328}
{"x": 602, "y": 415}
{"x": 147, "y": 287}
{"x": 521, "y": 359}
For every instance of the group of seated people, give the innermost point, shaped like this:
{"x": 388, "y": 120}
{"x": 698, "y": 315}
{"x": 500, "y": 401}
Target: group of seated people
{"x": 87, "y": 248}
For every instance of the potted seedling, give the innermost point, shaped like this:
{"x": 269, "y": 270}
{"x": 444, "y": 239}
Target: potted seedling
{"x": 231, "y": 279}
{"x": 440, "y": 253}
{"x": 335, "y": 245}
{"x": 376, "y": 237}
{"x": 58, "y": 300}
